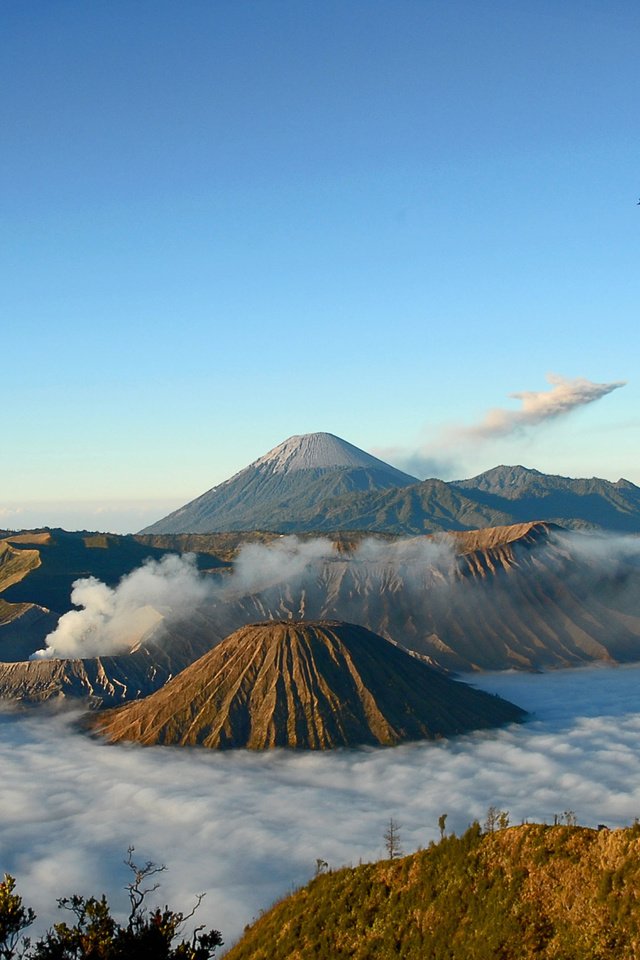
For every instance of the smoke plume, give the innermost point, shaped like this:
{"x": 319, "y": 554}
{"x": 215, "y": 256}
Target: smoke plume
{"x": 415, "y": 591}
{"x": 444, "y": 456}
{"x": 115, "y": 620}
{"x": 540, "y": 406}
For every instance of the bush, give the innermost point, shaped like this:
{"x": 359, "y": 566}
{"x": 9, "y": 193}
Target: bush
{"x": 94, "y": 934}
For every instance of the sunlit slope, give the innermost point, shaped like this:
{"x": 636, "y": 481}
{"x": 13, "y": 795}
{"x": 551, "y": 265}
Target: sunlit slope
{"x": 305, "y": 685}
{"x": 558, "y": 893}
{"x": 15, "y": 564}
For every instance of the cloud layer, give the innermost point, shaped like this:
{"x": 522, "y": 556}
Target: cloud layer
{"x": 248, "y": 827}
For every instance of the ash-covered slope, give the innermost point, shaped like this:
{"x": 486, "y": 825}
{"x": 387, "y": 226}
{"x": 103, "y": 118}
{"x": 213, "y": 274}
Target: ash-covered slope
{"x": 310, "y": 685}
{"x": 109, "y": 680}
{"x": 296, "y": 477}
{"x": 528, "y": 596}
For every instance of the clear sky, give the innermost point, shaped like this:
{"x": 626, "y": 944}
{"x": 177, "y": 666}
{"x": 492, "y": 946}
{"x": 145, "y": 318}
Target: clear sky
{"x": 227, "y": 222}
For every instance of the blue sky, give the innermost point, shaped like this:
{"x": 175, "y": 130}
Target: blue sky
{"x": 228, "y": 222}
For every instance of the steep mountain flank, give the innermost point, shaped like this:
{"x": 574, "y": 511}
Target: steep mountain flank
{"x": 524, "y": 597}
{"x": 46, "y": 564}
{"x": 525, "y": 494}
{"x": 311, "y": 685}
{"x": 22, "y": 629}
{"x": 320, "y": 483}
{"x": 527, "y": 596}
{"x": 294, "y": 479}
{"x": 15, "y": 564}
{"x": 558, "y": 893}
{"x": 105, "y": 681}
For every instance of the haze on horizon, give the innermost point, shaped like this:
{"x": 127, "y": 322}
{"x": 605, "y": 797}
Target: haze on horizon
{"x": 231, "y": 223}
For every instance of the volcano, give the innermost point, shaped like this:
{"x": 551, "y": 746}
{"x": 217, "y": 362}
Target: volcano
{"x": 305, "y": 685}
{"x": 318, "y": 483}
{"x": 288, "y": 482}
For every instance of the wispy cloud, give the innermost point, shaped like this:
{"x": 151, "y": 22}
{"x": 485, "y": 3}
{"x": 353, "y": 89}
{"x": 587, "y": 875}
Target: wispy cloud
{"x": 6, "y": 512}
{"x": 539, "y": 406}
{"x": 247, "y": 827}
{"x": 444, "y": 455}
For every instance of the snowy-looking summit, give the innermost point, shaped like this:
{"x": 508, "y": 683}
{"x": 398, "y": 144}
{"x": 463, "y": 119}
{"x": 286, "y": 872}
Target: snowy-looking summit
{"x": 284, "y": 488}
{"x": 322, "y": 451}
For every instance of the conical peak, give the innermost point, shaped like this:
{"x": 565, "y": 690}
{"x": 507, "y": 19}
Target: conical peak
{"x": 304, "y": 684}
{"x": 317, "y": 451}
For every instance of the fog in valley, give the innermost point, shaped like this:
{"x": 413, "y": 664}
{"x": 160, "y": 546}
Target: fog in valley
{"x": 248, "y": 827}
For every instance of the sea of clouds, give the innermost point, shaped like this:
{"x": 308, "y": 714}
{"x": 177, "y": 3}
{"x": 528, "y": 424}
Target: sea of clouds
{"x": 248, "y": 827}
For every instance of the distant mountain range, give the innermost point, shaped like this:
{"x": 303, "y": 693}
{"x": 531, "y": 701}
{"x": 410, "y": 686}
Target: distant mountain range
{"x": 320, "y": 483}
{"x": 304, "y": 685}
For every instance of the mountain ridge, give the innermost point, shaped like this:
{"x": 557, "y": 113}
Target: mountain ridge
{"x": 320, "y": 483}
{"x": 304, "y": 469}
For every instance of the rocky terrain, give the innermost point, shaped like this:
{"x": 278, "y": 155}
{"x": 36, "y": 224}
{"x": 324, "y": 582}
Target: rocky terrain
{"x": 304, "y": 685}
{"x": 527, "y": 596}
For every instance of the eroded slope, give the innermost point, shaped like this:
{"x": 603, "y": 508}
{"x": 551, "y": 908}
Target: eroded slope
{"x": 312, "y": 685}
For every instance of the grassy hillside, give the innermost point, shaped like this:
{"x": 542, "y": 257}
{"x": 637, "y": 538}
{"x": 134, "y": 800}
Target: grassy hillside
{"x": 558, "y": 893}
{"x": 15, "y": 564}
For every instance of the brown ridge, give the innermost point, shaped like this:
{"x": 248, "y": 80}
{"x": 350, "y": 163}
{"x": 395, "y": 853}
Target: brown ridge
{"x": 312, "y": 685}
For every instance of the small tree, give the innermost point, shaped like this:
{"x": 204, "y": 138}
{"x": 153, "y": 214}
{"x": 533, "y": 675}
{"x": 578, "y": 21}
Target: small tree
{"x": 496, "y": 820}
{"x": 392, "y": 839}
{"x": 503, "y": 820}
{"x": 93, "y": 934}
{"x": 14, "y": 918}
{"x": 442, "y": 821}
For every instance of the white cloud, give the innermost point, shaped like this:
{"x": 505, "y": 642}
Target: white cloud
{"x": 444, "y": 456}
{"x": 113, "y": 620}
{"x": 539, "y": 406}
{"x": 246, "y": 827}
{"x": 7, "y": 512}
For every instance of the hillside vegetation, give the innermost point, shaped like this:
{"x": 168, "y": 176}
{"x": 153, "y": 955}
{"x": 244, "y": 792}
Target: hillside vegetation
{"x": 557, "y": 893}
